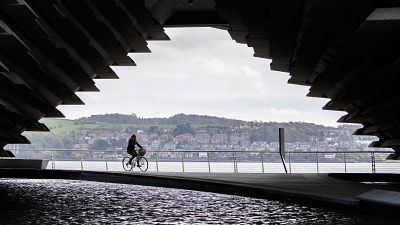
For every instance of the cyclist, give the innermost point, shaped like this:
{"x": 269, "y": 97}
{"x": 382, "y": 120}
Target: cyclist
{"x": 131, "y": 149}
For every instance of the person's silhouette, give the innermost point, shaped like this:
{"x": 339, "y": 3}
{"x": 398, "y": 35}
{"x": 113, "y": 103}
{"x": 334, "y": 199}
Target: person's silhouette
{"x": 132, "y": 142}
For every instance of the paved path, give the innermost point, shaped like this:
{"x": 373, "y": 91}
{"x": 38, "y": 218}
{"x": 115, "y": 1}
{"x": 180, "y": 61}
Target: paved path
{"x": 319, "y": 187}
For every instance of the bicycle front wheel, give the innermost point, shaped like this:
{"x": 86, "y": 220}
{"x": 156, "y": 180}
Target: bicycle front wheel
{"x": 144, "y": 164}
{"x": 126, "y": 165}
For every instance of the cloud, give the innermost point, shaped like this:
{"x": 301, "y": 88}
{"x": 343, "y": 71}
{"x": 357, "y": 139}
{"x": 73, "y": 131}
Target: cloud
{"x": 283, "y": 111}
{"x": 202, "y": 71}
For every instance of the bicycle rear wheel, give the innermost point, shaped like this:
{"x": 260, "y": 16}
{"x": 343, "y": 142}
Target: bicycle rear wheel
{"x": 144, "y": 164}
{"x": 126, "y": 165}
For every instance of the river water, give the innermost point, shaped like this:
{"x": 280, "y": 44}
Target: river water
{"x": 29, "y": 201}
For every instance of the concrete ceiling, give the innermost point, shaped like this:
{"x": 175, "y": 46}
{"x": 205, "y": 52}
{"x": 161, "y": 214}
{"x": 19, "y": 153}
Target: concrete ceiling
{"x": 345, "y": 50}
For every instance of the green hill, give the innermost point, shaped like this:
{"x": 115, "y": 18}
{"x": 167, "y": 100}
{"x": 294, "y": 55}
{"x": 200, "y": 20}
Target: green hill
{"x": 260, "y": 131}
{"x": 115, "y": 128}
{"x": 63, "y": 126}
{"x": 116, "y": 118}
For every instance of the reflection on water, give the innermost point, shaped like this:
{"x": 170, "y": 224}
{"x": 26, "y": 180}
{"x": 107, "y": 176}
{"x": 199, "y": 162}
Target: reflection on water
{"x": 28, "y": 201}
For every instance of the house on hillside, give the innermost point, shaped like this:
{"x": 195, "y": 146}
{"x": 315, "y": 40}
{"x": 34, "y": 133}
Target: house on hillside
{"x": 184, "y": 138}
{"x": 202, "y": 138}
{"x": 219, "y": 139}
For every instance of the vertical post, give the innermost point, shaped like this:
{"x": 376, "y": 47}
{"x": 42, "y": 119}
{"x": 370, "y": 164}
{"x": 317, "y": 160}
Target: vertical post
{"x": 373, "y": 162}
{"x": 316, "y": 155}
{"x": 52, "y": 160}
{"x": 81, "y": 161}
{"x": 290, "y": 164}
{"x": 106, "y": 164}
{"x": 282, "y": 147}
{"x": 234, "y": 163}
{"x": 345, "y": 162}
{"x": 262, "y": 162}
{"x": 208, "y": 159}
{"x": 183, "y": 165}
{"x": 157, "y": 161}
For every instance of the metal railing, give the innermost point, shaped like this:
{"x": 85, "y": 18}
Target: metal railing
{"x": 233, "y": 161}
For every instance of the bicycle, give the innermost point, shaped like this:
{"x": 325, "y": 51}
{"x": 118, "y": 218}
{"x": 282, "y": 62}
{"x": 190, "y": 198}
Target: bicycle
{"x": 143, "y": 163}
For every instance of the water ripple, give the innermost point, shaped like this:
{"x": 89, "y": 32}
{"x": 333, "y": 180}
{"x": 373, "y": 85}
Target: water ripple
{"x": 29, "y": 201}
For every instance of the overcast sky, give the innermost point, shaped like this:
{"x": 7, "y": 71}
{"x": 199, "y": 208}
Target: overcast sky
{"x": 202, "y": 71}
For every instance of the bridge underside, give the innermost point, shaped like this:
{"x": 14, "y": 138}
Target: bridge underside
{"x": 345, "y": 50}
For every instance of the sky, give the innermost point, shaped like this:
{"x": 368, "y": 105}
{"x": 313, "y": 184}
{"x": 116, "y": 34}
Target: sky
{"x": 202, "y": 71}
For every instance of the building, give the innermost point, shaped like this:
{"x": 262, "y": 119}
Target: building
{"x": 219, "y": 139}
{"x": 52, "y": 49}
{"x": 202, "y": 138}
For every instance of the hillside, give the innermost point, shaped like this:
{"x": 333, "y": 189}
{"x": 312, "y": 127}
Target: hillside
{"x": 183, "y": 131}
{"x": 65, "y": 126}
{"x": 173, "y": 120}
{"x": 120, "y": 122}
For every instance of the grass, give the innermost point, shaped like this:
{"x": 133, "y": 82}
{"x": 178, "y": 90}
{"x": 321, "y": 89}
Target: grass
{"x": 60, "y": 126}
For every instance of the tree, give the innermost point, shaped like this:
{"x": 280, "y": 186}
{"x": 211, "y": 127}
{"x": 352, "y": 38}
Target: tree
{"x": 154, "y": 130}
{"x": 99, "y": 144}
{"x": 182, "y": 129}
{"x": 113, "y": 143}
